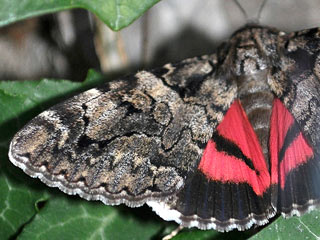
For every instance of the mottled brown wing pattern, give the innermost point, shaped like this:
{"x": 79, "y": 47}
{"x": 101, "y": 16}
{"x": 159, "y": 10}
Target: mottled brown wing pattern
{"x": 128, "y": 141}
{"x": 143, "y": 138}
{"x": 214, "y": 197}
{"x": 295, "y": 80}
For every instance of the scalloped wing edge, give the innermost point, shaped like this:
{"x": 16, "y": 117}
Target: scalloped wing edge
{"x": 60, "y": 183}
{"x": 168, "y": 214}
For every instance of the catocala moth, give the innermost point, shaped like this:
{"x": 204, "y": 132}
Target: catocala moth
{"x": 222, "y": 141}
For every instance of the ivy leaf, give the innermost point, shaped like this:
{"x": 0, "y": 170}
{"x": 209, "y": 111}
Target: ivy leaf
{"x": 117, "y": 14}
{"x": 74, "y": 218}
{"x": 304, "y": 227}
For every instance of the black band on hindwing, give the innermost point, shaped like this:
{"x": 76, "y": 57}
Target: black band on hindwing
{"x": 292, "y": 134}
{"x": 230, "y": 148}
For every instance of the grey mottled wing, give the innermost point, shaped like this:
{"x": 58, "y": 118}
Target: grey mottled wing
{"x": 295, "y": 80}
{"x": 128, "y": 141}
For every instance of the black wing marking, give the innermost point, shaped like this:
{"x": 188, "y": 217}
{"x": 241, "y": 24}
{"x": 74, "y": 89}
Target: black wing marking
{"x": 295, "y": 80}
{"x": 128, "y": 141}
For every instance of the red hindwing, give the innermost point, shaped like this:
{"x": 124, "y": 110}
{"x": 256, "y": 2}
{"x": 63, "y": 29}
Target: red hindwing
{"x": 224, "y": 166}
{"x": 288, "y": 146}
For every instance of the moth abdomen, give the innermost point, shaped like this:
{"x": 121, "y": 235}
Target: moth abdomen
{"x": 256, "y": 100}
{"x": 193, "y": 139}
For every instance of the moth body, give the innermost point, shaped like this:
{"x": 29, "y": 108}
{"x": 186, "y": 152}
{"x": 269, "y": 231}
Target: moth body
{"x": 223, "y": 141}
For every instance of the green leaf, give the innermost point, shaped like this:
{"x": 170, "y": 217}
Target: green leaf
{"x": 305, "y": 227}
{"x": 18, "y": 196}
{"x": 117, "y": 14}
{"x": 74, "y": 218}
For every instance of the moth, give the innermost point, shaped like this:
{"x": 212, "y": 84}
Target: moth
{"x": 223, "y": 141}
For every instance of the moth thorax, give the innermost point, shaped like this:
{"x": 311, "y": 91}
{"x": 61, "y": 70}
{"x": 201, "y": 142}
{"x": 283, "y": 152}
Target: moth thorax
{"x": 256, "y": 99}
{"x": 249, "y": 60}
{"x": 250, "y": 51}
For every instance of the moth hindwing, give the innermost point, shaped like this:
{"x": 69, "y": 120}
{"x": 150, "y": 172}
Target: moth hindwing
{"x": 219, "y": 142}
